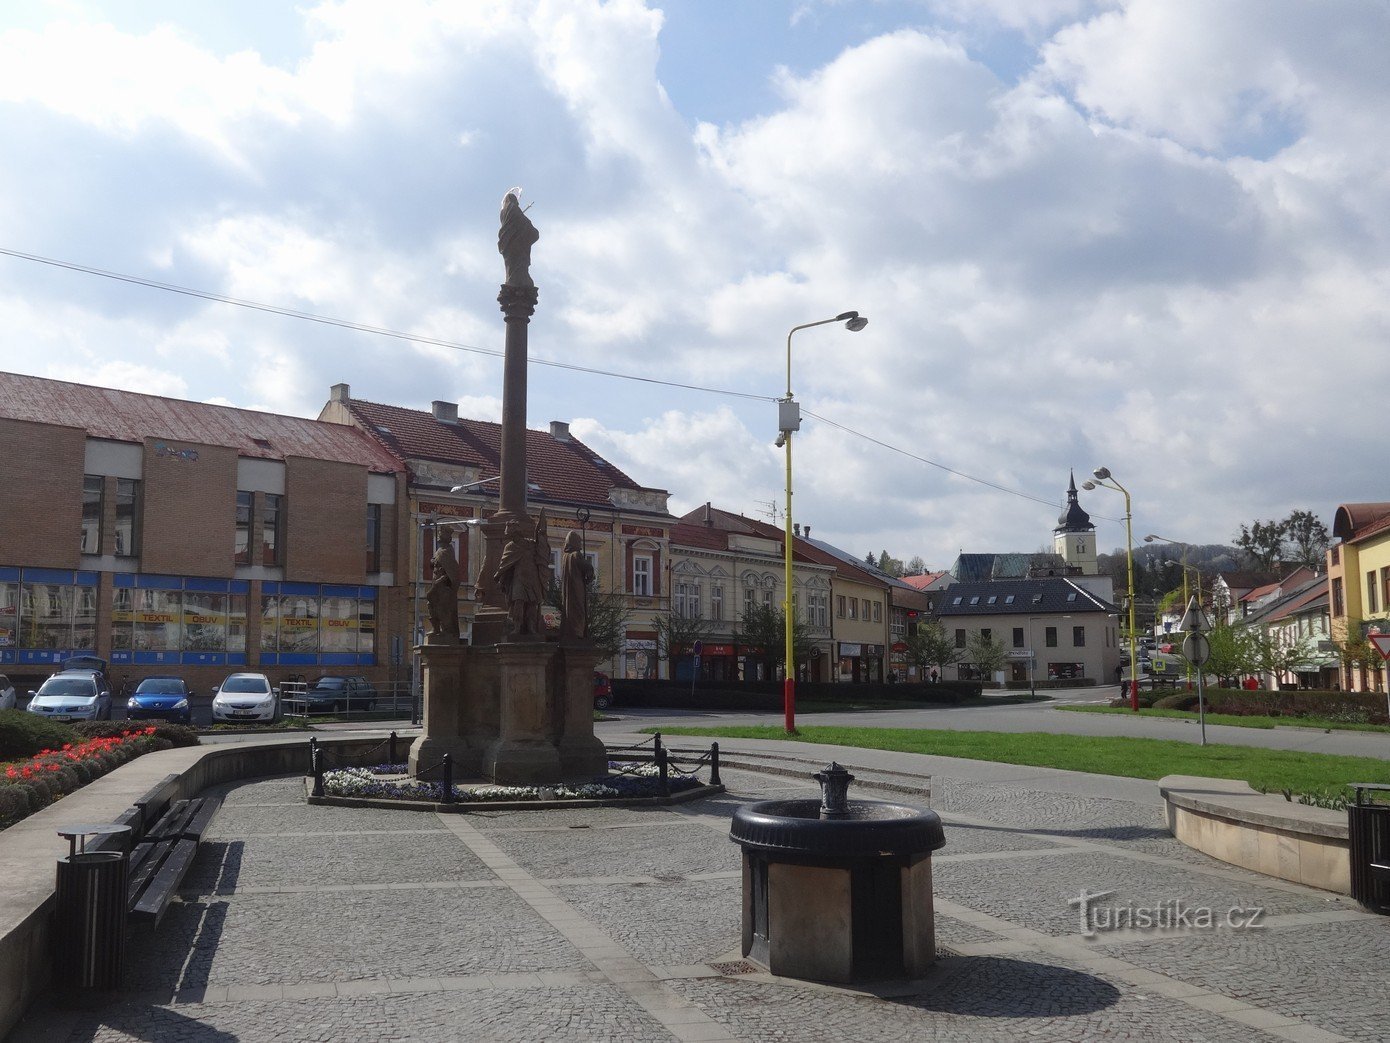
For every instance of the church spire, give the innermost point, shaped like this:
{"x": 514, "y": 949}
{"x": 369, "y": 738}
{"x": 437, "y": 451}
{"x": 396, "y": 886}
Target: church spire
{"x": 1073, "y": 519}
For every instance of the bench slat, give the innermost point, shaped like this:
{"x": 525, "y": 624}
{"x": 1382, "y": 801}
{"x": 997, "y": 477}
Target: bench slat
{"x": 201, "y": 818}
{"x": 145, "y": 861}
{"x": 155, "y": 899}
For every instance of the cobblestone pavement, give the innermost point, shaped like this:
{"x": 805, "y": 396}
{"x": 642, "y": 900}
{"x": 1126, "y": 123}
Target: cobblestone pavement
{"x": 316, "y": 924}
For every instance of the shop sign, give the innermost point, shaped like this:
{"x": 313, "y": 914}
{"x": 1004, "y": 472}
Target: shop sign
{"x": 850, "y": 651}
{"x": 899, "y": 646}
{"x": 643, "y": 530}
{"x": 447, "y": 510}
{"x": 639, "y": 645}
{"x": 747, "y": 650}
{"x": 873, "y": 650}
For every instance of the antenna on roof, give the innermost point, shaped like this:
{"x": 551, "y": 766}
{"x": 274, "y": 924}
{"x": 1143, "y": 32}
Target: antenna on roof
{"x": 770, "y": 508}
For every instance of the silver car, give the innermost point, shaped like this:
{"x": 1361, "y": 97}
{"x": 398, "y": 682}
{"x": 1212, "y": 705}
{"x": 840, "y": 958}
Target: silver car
{"x": 7, "y": 693}
{"x": 245, "y": 697}
{"x": 73, "y": 695}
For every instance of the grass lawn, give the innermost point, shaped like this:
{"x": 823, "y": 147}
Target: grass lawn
{"x": 831, "y": 706}
{"x": 1239, "y": 720}
{"x": 1268, "y": 770}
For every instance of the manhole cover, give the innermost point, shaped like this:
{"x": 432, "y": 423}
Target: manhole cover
{"x": 735, "y": 967}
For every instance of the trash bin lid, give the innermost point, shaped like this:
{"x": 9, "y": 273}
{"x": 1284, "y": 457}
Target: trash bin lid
{"x": 83, "y": 830}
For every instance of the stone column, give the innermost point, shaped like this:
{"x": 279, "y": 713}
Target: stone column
{"x": 525, "y": 753}
{"x": 441, "y": 682}
{"x": 582, "y": 755}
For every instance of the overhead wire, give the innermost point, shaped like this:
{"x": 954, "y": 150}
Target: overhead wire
{"x": 416, "y": 338}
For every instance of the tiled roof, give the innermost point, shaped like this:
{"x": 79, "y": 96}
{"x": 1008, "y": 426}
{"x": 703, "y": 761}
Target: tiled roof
{"x": 1053, "y": 594}
{"x": 923, "y": 581}
{"x": 566, "y": 471}
{"x": 804, "y": 550}
{"x": 127, "y": 416}
{"x": 696, "y": 534}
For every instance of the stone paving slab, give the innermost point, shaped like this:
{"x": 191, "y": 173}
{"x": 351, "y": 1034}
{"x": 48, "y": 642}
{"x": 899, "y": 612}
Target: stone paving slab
{"x": 673, "y": 849}
{"x": 243, "y": 820}
{"x": 666, "y": 923}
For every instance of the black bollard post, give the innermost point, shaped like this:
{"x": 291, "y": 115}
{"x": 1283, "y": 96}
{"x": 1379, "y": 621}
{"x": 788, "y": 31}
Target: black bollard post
{"x": 656, "y": 743}
{"x": 714, "y": 765}
{"x": 391, "y": 749}
{"x": 663, "y": 770}
{"x": 313, "y": 752}
{"x": 447, "y": 768}
{"x": 318, "y": 772}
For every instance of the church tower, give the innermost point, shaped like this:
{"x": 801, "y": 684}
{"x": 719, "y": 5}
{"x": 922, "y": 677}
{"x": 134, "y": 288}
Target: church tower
{"x": 1075, "y": 537}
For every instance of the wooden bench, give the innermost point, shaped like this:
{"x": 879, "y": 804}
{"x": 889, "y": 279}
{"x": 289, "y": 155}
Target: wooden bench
{"x": 166, "y": 832}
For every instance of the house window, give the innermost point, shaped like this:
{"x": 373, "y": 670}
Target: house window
{"x": 642, "y": 575}
{"x": 272, "y": 529}
{"x": 866, "y": 610}
{"x": 1050, "y": 637}
{"x": 1078, "y": 637}
{"x": 1018, "y": 637}
{"x": 839, "y": 606}
{"x": 1385, "y": 586}
{"x": 1009, "y": 600}
{"x": 128, "y": 517}
{"x": 975, "y": 600}
{"x": 1372, "y": 601}
{"x": 91, "y": 513}
{"x": 986, "y": 634}
{"x": 960, "y": 638}
{"x": 687, "y": 600}
{"x": 767, "y": 598}
{"x": 878, "y": 612}
{"x": 241, "y": 552}
{"x": 373, "y": 537}
{"x": 992, "y": 599}
{"x": 716, "y": 602}
{"x": 750, "y": 599}
{"x": 1338, "y": 598}
{"x": 853, "y": 608}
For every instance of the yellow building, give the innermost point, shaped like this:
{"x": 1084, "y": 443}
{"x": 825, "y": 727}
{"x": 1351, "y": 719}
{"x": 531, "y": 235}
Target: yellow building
{"x": 1358, "y": 585}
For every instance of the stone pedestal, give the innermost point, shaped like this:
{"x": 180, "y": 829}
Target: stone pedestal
{"x": 525, "y": 753}
{"x": 582, "y": 755}
{"x": 441, "y": 675}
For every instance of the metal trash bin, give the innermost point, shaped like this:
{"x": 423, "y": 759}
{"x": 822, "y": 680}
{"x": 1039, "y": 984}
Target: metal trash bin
{"x": 1368, "y": 823}
{"x": 89, "y": 921}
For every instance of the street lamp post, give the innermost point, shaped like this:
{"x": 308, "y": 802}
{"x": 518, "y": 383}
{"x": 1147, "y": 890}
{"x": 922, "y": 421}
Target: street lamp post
{"x": 789, "y": 421}
{"x": 1106, "y": 480}
{"x": 1186, "y": 568}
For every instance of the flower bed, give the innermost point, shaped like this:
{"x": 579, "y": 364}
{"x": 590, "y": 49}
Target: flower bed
{"x": 32, "y": 784}
{"x": 640, "y": 780}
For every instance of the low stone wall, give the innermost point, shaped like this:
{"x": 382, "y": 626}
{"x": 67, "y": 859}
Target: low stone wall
{"x": 1228, "y": 820}
{"x": 29, "y": 850}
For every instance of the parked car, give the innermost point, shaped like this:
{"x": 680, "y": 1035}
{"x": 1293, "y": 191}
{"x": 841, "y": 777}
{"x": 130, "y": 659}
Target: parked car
{"x": 603, "y": 691}
{"x": 7, "y": 694}
{"x": 334, "y": 694}
{"x": 73, "y": 695}
{"x": 160, "y": 698}
{"x": 245, "y": 697}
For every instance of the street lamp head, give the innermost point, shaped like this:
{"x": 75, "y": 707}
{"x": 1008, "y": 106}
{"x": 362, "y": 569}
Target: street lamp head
{"x": 854, "y": 322}
{"x": 1102, "y": 473}
{"x": 1151, "y": 537}
{"x": 1088, "y": 485}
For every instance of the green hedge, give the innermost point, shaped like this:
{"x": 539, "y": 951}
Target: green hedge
{"x": 766, "y": 696}
{"x": 173, "y": 734}
{"x": 23, "y": 734}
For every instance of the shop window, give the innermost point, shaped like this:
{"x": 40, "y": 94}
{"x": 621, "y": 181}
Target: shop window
{"x": 127, "y": 517}
{"x": 9, "y": 615}
{"x": 91, "y": 513}
{"x": 272, "y": 529}
{"x": 241, "y": 549}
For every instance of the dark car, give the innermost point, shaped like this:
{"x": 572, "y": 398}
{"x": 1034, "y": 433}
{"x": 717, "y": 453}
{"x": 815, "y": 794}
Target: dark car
{"x": 334, "y": 694}
{"x": 603, "y": 691}
{"x": 161, "y": 699}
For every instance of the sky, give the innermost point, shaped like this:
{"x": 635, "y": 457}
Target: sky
{"x": 1150, "y": 235}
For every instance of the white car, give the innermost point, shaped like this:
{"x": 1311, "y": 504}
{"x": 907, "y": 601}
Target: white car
{"x": 73, "y": 695}
{"x": 245, "y": 697}
{"x": 7, "y": 693}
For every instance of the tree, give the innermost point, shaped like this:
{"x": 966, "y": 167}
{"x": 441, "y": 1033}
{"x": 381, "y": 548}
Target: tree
{"x": 929, "y": 646}
{"x": 889, "y": 564}
{"x": 1307, "y": 539}
{"x": 915, "y": 567}
{"x": 607, "y": 621}
{"x": 675, "y": 633}
{"x": 1263, "y": 542}
{"x": 765, "y": 626}
{"x": 1276, "y": 658}
{"x": 987, "y": 654}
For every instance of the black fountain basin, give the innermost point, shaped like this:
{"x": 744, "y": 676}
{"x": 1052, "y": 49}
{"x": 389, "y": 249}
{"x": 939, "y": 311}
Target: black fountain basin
{"x": 864, "y": 829}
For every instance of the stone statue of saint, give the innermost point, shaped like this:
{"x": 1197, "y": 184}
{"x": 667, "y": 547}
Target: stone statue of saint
{"x": 443, "y": 595}
{"x": 523, "y": 576}
{"x": 514, "y": 241}
{"x": 576, "y": 574}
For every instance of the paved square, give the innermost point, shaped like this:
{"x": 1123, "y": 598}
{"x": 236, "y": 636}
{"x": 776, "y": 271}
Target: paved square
{"x": 314, "y": 924}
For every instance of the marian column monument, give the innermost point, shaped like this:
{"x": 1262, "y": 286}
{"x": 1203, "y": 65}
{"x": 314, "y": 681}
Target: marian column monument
{"x": 513, "y": 707}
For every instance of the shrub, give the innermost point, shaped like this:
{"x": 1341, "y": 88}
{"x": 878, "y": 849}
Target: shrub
{"x": 23, "y": 734}
{"x": 175, "y": 734}
{"x": 1177, "y": 701}
{"x": 14, "y": 804}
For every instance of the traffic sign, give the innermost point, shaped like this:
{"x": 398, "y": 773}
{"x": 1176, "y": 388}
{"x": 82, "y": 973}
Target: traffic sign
{"x": 1196, "y": 649}
{"x": 698, "y": 648}
{"x": 1382, "y": 643}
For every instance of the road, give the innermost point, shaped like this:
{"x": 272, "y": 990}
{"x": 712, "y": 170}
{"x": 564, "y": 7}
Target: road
{"x": 1029, "y": 717}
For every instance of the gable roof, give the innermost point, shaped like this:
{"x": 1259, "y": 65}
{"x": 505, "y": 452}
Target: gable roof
{"x": 807, "y": 551}
{"x": 128, "y": 416}
{"x": 565, "y": 469}
{"x": 1049, "y": 594}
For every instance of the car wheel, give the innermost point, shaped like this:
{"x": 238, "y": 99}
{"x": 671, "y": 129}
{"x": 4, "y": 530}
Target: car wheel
{"x": 602, "y": 702}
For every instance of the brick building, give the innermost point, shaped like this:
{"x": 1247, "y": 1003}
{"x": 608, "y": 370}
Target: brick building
{"x": 173, "y": 536}
{"x": 453, "y": 464}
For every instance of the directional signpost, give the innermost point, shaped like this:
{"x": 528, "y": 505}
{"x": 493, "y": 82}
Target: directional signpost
{"x": 1197, "y": 650}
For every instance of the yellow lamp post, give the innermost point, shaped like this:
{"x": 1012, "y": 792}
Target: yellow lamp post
{"x": 789, "y": 421}
{"x": 1105, "y": 479}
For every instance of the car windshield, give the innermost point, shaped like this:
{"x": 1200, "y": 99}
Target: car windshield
{"x": 160, "y": 686}
{"x": 80, "y": 687}
{"x": 331, "y": 682}
{"x": 246, "y": 684}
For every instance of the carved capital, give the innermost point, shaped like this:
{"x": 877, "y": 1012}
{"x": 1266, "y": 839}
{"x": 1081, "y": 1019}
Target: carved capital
{"x": 518, "y": 302}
